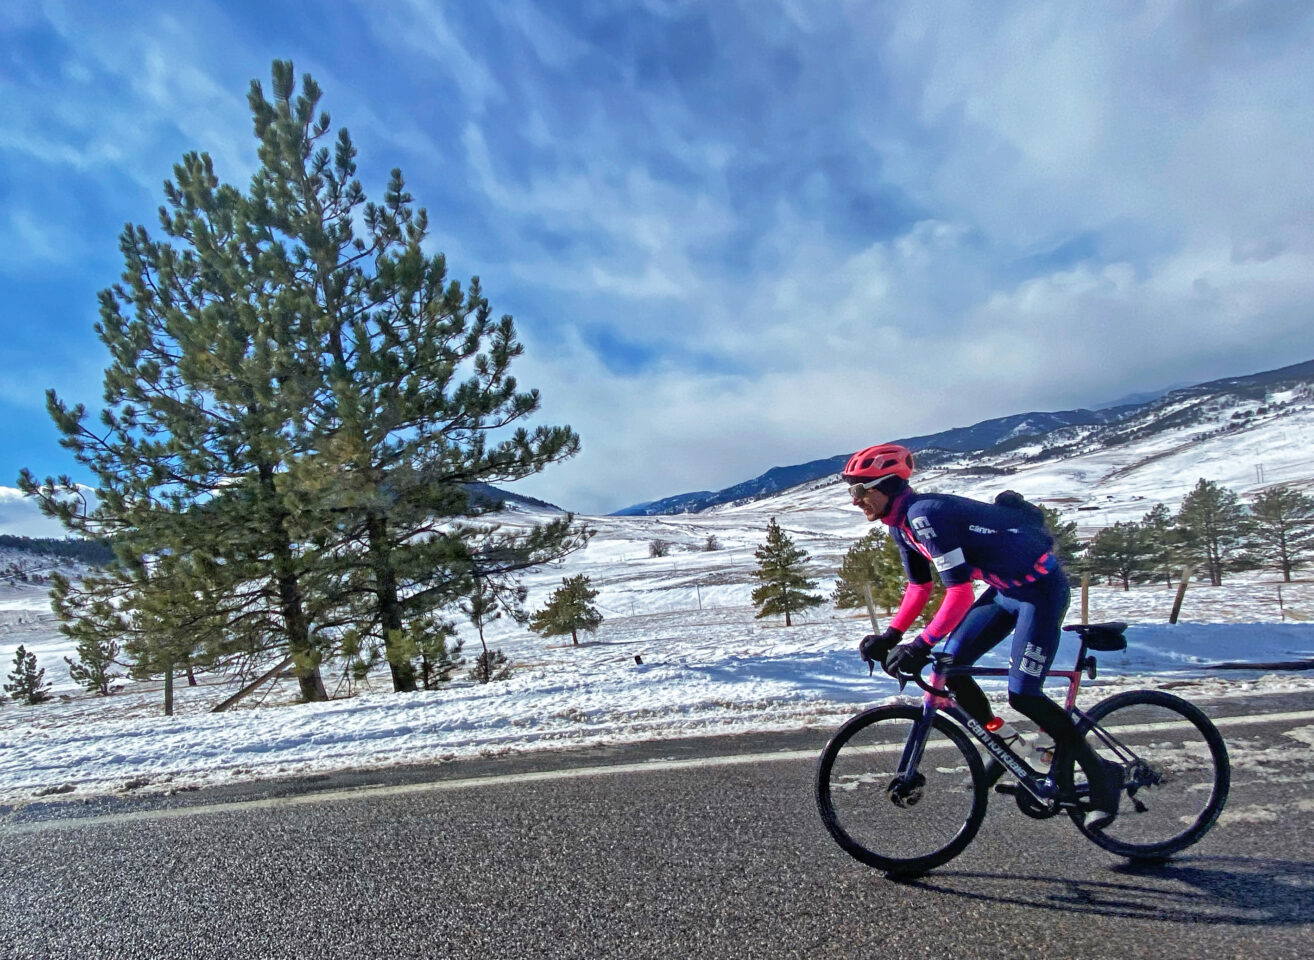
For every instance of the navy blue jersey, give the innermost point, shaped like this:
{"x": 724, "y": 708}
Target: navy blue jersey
{"x": 969, "y": 540}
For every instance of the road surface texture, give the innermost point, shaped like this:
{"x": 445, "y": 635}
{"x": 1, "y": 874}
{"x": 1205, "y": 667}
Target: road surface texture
{"x": 717, "y": 852}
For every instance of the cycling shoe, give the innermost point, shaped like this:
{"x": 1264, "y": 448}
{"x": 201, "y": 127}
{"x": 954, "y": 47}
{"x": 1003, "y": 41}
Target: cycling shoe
{"x": 1104, "y": 796}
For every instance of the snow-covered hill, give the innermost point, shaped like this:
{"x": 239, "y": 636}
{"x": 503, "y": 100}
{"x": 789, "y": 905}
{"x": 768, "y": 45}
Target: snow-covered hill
{"x": 708, "y": 665}
{"x": 1043, "y": 435}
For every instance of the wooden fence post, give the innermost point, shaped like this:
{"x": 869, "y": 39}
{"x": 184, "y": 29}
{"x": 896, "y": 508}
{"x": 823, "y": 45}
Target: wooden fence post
{"x": 168, "y": 690}
{"x": 1181, "y": 592}
{"x": 871, "y": 607}
{"x": 1085, "y": 598}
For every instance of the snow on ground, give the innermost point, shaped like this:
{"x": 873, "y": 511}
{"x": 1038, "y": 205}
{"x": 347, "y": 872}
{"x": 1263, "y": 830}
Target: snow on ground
{"x": 708, "y": 666}
{"x": 712, "y": 671}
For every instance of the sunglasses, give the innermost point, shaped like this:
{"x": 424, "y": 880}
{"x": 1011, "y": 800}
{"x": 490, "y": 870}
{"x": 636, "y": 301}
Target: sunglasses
{"x": 859, "y": 490}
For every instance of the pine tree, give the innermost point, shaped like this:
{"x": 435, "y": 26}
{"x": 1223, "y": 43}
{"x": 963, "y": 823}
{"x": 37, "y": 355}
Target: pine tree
{"x": 488, "y": 599}
{"x": 1212, "y": 527}
{"x": 299, "y": 395}
{"x": 400, "y": 434}
{"x": 872, "y": 560}
{"x": 569, "y": 610}
{"x": 1123, "y": 552}
{"x": 431, "y": 646}
{"x": 1282, "y": 524}
{"x": 1067, "y": 545}
{"x": 26, "y": 681}
{"x": 490, "y": 666}
{"x": 171, "y": 612}
{"x": 781, "y": 570}
{"x": 94, "y": 667}
{"x": 1161, "y": 540}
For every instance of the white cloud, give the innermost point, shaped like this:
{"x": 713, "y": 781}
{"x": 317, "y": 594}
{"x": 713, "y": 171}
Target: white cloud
{"x": 1161, "y": 147}
{"x": 20, "y": 517}
{"x": 423, "y": 28}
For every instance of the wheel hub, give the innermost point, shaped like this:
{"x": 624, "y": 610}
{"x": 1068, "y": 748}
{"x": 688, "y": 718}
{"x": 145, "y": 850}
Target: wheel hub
{"x": 906, "y": 791}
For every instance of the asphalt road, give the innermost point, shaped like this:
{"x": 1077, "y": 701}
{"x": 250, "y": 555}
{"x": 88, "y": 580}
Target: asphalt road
{"x": 615, "y": 853}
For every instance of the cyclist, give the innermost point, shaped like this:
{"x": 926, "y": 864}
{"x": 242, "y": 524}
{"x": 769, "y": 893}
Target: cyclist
{"x": 1005, "y": 544}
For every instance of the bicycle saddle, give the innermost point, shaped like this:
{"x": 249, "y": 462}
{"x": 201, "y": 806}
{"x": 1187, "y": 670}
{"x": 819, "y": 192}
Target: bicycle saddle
{"x": 1101, "y": 636}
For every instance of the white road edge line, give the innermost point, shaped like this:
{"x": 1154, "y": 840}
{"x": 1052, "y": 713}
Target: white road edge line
{"x": 468, "y": 783}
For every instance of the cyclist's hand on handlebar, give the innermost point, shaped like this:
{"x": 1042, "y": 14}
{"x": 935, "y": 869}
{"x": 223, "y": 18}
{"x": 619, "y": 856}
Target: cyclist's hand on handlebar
{"x": 909, "y": 657}
{"x": 874, "y": 647}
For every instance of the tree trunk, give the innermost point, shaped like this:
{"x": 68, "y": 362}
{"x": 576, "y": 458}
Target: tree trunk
{"x": 305, "y": 657}
{"x": 253, "y": 685}
{"x": 574, "y": 637}
{"x": 385, "y": 585}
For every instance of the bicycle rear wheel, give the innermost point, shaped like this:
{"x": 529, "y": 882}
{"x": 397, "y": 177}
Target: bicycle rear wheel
{"x": 904, "y": 825}
{"x": 1176, "y": 768}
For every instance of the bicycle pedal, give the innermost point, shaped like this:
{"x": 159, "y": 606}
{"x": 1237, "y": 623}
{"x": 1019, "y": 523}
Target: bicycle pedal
{"x": 1008, "y": 788}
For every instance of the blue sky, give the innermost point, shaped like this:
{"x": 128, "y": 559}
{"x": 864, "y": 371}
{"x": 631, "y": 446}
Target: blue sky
{"x": 734, "y": 235}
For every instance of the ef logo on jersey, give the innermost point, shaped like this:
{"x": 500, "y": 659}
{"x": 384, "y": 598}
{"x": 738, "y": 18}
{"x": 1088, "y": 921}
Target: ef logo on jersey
{"x": 922, "y": 527}
{"x": 1033, "y": 660}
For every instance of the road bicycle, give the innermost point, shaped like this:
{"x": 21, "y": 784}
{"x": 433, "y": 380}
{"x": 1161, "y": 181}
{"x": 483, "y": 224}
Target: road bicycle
{"x": 902, "y": 788}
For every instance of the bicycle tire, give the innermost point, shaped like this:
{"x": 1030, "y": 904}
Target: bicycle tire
{"x": 859, "y": 800}
{"x": 1176, "y": 785}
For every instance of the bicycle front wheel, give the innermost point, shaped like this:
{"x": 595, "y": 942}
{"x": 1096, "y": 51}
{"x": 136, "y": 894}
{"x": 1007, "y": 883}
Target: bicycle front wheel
{"x": 1176, "y": 769}
{"x": 900, "y": 821}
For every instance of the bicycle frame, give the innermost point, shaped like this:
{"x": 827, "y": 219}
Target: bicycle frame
{"x": 1038, "y": 784}
{"x": 937, "y": 699}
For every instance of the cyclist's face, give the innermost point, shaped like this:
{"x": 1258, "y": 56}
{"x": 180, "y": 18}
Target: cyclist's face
{"x": 872, "y": 503}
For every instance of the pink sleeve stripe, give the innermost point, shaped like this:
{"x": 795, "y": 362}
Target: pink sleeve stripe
{"x": 957, "y": 600}
{"x": 915, "y": 596}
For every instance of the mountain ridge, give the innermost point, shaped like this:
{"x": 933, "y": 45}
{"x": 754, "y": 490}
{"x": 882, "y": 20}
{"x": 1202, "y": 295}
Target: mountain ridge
{"x": 997, "y": 434}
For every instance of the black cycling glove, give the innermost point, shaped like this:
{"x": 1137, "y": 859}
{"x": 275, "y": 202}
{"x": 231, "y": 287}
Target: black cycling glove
{"x": 908, "y": 657}
{"x": 874, "y": 646}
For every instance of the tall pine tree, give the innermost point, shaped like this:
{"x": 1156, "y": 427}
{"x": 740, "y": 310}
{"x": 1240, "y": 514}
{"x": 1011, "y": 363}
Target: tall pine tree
{"x": 1282, "y": 527}
{"x": 1122, "y": 552}
{"x": 782, "y": 572}
{"x": 1213, "y": 528}
{"x": 417, "y": 401}
{"x": 873, "y": 561}
{"x": 299, "y": 395}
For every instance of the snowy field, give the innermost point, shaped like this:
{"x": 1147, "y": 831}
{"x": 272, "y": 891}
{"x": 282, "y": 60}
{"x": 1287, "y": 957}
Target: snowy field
{"x": 715, "y": 670}
{"x": 707, "y": 665}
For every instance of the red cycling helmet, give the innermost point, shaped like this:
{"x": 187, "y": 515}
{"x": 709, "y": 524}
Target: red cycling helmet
{"x": 878, "y": 462}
